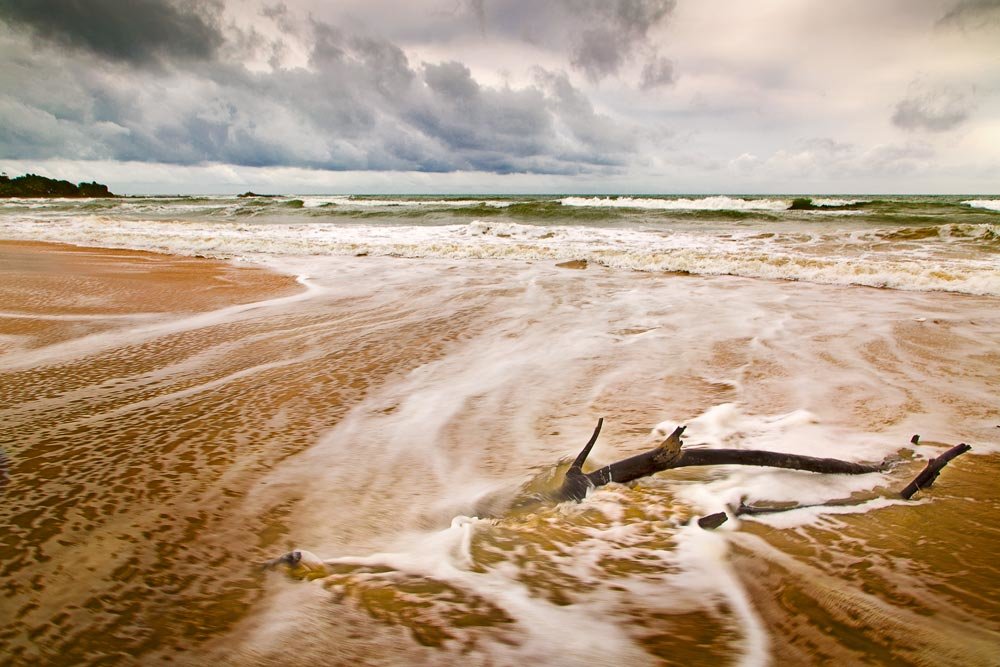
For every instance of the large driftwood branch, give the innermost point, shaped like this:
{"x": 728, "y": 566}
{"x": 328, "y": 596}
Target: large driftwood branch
{"x": 669, "y": 455}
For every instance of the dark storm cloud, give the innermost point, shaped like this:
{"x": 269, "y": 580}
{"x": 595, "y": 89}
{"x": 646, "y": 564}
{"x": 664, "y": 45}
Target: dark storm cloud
{"x": 619, "y": 29}
{"x": 600, "y": 52}
{"x": 360, "y": 104}
{"x": 598, "y": 37}
{"x": 134, "y": 31}
{"x": 933, "y": 111}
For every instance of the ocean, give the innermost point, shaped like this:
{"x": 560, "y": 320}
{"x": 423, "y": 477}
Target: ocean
{"x": 192, "y": 386}
{"x": 914, "y": 243}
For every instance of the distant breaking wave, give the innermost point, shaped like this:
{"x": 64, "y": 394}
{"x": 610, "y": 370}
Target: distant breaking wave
{"x": 347, "y": 200}
{"x": 989, "y": 204}
{"x": 826, "y": 201}
{"x": 717, "y": 203}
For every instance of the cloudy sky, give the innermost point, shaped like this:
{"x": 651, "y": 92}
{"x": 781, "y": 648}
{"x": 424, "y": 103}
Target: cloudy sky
{"x": 656, "y": 96}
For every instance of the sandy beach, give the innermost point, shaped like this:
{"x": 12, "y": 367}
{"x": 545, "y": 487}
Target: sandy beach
{"x": 455, "y": 333}
{"x": 170, "y": 423}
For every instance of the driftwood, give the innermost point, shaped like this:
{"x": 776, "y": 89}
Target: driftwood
{"x": 713, "y": 521}
{"x": 669, "y": 455}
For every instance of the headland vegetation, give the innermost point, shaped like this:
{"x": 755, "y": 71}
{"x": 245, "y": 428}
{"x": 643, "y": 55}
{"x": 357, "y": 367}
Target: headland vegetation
{"x": 32, "y": 185}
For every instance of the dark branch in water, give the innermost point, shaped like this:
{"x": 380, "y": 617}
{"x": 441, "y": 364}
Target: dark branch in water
{"x": 581, "y": 458}
{"x": 576, "y": 484}
{"x": 669, "y": 455}
{"x": 924, "y": 480}
{"x": 755, "y": 510}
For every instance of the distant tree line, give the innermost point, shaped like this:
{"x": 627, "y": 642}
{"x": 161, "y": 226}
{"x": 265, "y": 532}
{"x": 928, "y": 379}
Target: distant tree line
{"x": 32, "y": 185}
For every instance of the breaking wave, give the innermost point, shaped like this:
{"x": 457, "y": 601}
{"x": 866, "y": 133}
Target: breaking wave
{"x": 988, "y": 204}
{"x": 947, "y": 258}
{"x": 826, "y": 201}
{"x": 365, "y": 202}
{"x": 717, "y": 203}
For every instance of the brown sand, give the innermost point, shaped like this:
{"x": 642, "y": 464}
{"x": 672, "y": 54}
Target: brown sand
{"x": 124, "y": 530}
{"x": 82, "y": 487}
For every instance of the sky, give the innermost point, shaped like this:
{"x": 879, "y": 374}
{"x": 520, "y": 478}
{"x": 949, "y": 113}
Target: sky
{"x": 504, "y": 96}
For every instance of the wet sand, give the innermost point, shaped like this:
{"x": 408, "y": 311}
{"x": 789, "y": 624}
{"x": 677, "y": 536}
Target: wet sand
{"x": 51, "y": 292}
{"x": 132, "y": 444}
{"x": 170, "y": 423}
{"x": 99, "y": 501}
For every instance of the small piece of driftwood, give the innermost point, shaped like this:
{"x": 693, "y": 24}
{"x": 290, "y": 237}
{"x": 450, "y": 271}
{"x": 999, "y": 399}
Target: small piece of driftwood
{"x": 713, "y": 521}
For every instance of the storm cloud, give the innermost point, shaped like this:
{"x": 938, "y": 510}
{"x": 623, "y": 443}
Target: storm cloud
{"x": 359, "y": 105}
{"x": 618, "y": 29}
{"x": 598, "y": 36}
{"x": 139, "y": 32}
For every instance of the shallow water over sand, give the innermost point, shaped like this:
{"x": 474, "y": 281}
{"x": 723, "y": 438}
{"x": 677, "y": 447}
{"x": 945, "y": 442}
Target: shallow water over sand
{"x": 164, "y": 438}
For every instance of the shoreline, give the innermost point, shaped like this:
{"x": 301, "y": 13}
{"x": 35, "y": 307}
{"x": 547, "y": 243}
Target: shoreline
{"x": 55, "y": 293}
{"x": 258, "y": 281}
